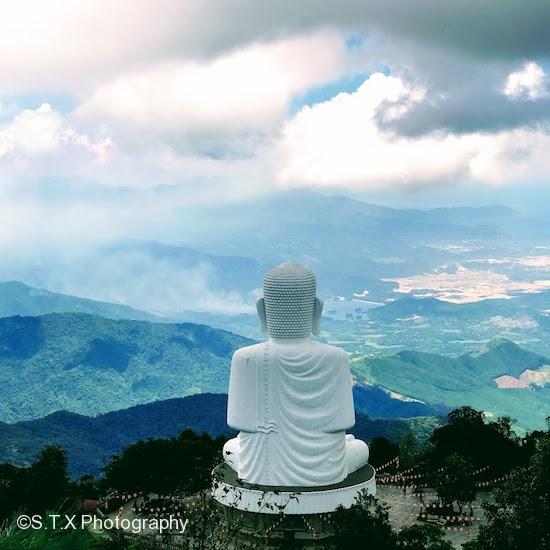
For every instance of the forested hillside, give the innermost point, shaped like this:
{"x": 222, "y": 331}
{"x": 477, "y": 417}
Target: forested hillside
{"x": 91, "y": 365}
{"x": 90, "y": 442}
{"x": 469, "y": 379}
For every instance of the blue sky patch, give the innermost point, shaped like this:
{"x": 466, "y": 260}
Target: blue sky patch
{"x": 318, "y": 94}
{"x": 14, "y": 104}
{"x": 355, "y": 41}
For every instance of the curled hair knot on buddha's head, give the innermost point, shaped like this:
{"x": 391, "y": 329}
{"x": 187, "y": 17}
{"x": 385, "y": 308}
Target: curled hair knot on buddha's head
{"x": 289, "y": 307}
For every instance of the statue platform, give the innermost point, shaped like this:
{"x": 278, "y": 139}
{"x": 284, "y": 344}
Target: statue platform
{"x": 232, "y": 492}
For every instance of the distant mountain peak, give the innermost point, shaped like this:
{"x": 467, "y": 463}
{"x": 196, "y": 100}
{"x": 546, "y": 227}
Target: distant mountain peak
{"x": 501, "y": 343}
{"x": 504, "y": 347}
{"x": 18, "y": 298}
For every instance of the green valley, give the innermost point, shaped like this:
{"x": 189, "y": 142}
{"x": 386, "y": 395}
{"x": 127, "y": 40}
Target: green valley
{"x": 468, "y": 379}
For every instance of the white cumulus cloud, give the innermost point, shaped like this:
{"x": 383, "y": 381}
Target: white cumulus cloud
{"x": 527, "y": 83}
{"x": 42, "y": 132}
{"x": 338, "y": 142}
{"x": 243, "y": 91}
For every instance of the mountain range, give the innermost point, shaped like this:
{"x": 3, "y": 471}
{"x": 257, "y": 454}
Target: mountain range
{"x": 350, "y": 244}
{"x": 432, "y": 308}
{"x": 469, "y": 379}
{"x": 91, "y": 365}
{"x": 92, "y": 357}
{"x": 17, "y": 298}
{"x": 91, "y": 441}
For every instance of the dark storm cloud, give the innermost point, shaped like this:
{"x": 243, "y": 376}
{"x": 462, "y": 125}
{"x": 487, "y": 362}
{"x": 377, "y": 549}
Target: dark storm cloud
{"x": 491, "y": 29}
{"x": 465, "y": 112}
{"x": 474, "y": 106}
{"x": 463, "y": 94}
{"x": 461, "y": 51}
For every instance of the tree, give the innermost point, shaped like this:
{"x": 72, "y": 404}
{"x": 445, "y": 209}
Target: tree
{"x": 181, "y": 464}
{"x": 482, "y": 442}
{"x": 456, "y": 483}
{"x": 47, "y": 481}
{"x": 409, "y": 451}
{"x": 366, "y": 522}
{"x": 422, "y": 537}
{"x": 516, "y": 517}
{"x": 86, "y": 488}
{"x": 466, "y": 416}
{"x": 382, "y": 450}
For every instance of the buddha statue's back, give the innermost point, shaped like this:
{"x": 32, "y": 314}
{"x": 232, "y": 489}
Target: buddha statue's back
{"x": 291, "y": 397}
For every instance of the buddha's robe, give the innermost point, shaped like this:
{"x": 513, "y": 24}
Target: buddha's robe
{"x": 292, "y": 401}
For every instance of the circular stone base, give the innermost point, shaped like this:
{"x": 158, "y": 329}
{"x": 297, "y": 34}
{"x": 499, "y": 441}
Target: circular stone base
{"x": 229, "y": 490}
{"x": 312, "y": 531}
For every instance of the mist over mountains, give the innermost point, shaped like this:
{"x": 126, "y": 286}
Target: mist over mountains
{"x": 17, "y": 298}
{"x": 211, "y": 258}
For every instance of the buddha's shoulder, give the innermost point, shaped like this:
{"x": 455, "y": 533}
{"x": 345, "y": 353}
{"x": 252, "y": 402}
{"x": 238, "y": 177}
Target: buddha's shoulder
{"x": 315, "y": 348}
{"x": 248, "y": 351}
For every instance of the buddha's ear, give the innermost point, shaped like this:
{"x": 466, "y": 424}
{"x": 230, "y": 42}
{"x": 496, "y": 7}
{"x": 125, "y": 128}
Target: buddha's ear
{"x": 317, "y": 310}
{"x": 260, "y": 307}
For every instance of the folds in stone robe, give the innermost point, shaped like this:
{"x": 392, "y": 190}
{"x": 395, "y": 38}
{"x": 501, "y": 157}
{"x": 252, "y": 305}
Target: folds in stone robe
{"x": 292, "y": 402}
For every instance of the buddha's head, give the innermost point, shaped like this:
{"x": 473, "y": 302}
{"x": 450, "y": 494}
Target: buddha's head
{"x": 289, "y": 308}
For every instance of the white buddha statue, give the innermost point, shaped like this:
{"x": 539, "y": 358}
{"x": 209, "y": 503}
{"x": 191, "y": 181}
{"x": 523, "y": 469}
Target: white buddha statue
{"x": 291, "y": 397}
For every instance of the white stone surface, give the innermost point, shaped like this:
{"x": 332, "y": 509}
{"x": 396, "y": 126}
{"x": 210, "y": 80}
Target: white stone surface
{"x": 273, "y": 502}
{"x": 291, "y": 398}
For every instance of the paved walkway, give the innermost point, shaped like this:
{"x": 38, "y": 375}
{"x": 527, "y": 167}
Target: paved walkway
{"x": 404, "y": 511}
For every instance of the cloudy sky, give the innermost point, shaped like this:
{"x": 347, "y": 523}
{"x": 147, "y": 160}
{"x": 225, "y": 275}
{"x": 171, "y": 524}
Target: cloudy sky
{"x": 221, "y": 100}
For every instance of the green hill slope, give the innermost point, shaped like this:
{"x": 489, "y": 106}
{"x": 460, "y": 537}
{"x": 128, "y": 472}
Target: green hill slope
{"x": 465, "y": 380}
{"x": 91, "y": 365}
{"x": 90, "y": 442}
{"x": 20, "y": 299}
